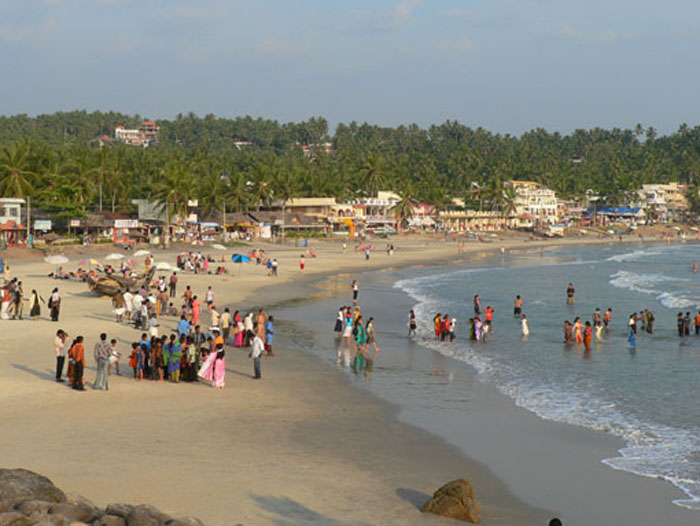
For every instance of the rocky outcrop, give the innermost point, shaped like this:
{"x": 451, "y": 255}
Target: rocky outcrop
{"x": 30, "y": 499}
{"x": 455, "y": 500}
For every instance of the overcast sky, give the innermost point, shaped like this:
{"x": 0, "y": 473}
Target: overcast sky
{"x": 506, "y": 65}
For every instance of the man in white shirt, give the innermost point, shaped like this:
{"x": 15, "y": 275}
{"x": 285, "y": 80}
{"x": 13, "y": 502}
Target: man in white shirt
{"x": 128, "y": 303}
{"x": 255, "y": 353}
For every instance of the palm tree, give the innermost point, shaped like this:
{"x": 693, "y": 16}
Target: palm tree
{"x": 176, "y": 188}
{"x": 403, "y": 210}
{"x": 372, "y": 173}
{"x": 286, "y": 186}
{"x": 15, "y": 173}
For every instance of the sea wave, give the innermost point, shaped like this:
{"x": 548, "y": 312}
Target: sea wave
{"x": 651, "y": 450}
{"x": 650, "y": 284}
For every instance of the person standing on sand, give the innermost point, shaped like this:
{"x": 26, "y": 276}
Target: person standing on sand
{"x": 355, "y": 290}
{"x": 77, "y": 356}
{"x": 260, "y": 321}
{"x": 101, "y": 352}
{"x": 255, "y": 353}
{"x": 269, "y": 335}
{"x": 119, "y": 306}
{"x": 302, "y": 263}
{"x": 35, "y": 302}
{"x": 225, "y": 324}
{"x": 412, "y": 323}
{"x": 210, "y": 297}
{"x": 570, "y": 291}
{"x": 477, "y": 305}
{"x": 59, "y": 345}
{"x": 195, "y": 310}
{"x": 114, "y": 356}
{"x": 173, "y": 284}
{"x": 55, "y": 304}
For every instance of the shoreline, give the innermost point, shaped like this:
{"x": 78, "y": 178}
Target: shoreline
{"x": 280, "y": 438}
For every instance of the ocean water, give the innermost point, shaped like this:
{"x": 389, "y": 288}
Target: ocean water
{"x": 647, "y": 396}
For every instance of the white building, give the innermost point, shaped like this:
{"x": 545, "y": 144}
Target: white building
{"x": 534, "y": 204}
{"x": 664, "y": 201}
{"x": 11, "y": 210}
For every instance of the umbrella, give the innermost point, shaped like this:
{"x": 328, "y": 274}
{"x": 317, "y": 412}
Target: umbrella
{"x": 56, "y": 260}
{"x": 163, "y": 265}
{"x": 217, "y": 246}
{"x": 113, "y": 256}
{"x": 141, "y": 252}
{"x": 240, "y": 258}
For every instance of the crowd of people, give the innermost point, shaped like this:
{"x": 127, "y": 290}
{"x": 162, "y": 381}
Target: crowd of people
{"x": 356, "y": 340}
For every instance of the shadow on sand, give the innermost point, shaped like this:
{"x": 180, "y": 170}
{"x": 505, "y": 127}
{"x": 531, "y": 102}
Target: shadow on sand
{"x": 417, "y": 498}
{"x": 288, "y": 512}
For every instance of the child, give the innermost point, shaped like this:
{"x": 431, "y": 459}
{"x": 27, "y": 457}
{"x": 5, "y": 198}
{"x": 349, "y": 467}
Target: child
{"x": 114, "y": 357}
{"x": 133, "y": 358}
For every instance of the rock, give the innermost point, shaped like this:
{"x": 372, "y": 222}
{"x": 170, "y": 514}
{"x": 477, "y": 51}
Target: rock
{"x": 185, "y": 521}
{"x": 52, "y": 520}
{"x": 145, "y": 515}
{"x": 16, "y": 483}
{"x": 118, "y": 509}
{"x": 33, "y": 507}
{"x": 455, "y": 500}
{"x": 110, "y": 520}
{"x": 75, "y": 512}
{"x": 14, "y": 518}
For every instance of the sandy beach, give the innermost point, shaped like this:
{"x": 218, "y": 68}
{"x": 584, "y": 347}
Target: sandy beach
{"x": 302, "y": 446}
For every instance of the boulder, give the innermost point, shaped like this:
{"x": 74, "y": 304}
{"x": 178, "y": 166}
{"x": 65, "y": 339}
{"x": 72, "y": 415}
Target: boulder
{"x": 455, "y": 500}
{"x": 145, "y": 515}
{"x": 118, "y": 509}
{"x": 33, "y": 507}
{"x": 52, "y": 520}
{"x": 14, "y": 518}
{"x": 75, "y": 512}
{"x": 110, "y": 520}
{"x": 22, "y": 483}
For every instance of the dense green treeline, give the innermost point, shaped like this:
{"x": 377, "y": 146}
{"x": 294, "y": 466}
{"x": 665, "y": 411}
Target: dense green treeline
{"x": 56, "y": 159}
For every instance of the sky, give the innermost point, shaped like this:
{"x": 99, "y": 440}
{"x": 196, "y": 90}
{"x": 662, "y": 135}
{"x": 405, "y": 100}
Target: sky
{"x": 506, "y": 65}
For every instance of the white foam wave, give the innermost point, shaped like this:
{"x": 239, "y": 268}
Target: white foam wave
{"x": 649, "y": 284}
{"x": 635, "y": 255}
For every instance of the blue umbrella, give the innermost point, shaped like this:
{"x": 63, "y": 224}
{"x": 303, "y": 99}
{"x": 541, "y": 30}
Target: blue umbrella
{"x": 240, "y": 258}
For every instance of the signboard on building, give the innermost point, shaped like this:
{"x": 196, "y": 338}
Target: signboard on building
{"x": 126, "y": 223}
{"x": 74, "y": 223}
{"x": 42, "y": 224}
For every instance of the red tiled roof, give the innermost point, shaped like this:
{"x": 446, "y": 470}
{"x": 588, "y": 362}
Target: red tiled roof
{"x": 12, "y": 225}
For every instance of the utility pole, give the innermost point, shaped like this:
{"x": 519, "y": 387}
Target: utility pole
{"x": 29, "y": 219}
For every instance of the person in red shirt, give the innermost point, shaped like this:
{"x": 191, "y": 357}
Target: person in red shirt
{"x": 444, "y": 328}
{"x": 488, "y": 311}
{"x": 77, "y": 355}
{"x": 587, "y": 336}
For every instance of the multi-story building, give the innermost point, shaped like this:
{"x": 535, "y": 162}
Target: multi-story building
{"x": 663, "y": 202}
{"x": 145, "y": 135}
{"x": 534, "y": 204}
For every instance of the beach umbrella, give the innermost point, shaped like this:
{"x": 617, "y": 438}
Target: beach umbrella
{"x": 218, "y": 246}
{"x": 240, "y": 258}
{"x": 141, "y": 252}
{"x": 56, "y": 260}
{"x": 163, "y": 265}
{"x": 114, "y": 256}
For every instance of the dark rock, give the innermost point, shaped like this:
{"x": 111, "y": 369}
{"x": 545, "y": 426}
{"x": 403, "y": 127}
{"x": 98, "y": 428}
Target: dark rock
{"x": 75, "y": 512}
{"x": 120, "y": 510}
{"x": 110, "y": 520}
{"x": 16, "y": 483}
{"x": 185, "y": 521}
{"x": 33, "y": 507}
{"x": 145, "y": 515}
{"x": 455, "y": 500}
{"x": 53, "y": 520}
{"x": 14, "y": 518}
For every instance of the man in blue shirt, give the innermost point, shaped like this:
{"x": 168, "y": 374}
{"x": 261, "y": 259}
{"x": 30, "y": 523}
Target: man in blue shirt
{"x": 183, "y": 328}
{"x": 269, "y": 335}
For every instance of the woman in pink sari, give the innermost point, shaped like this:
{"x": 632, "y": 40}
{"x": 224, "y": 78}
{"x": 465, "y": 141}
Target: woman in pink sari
{"x": 219, "y": 374}
{"x": 238, "y": 338}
